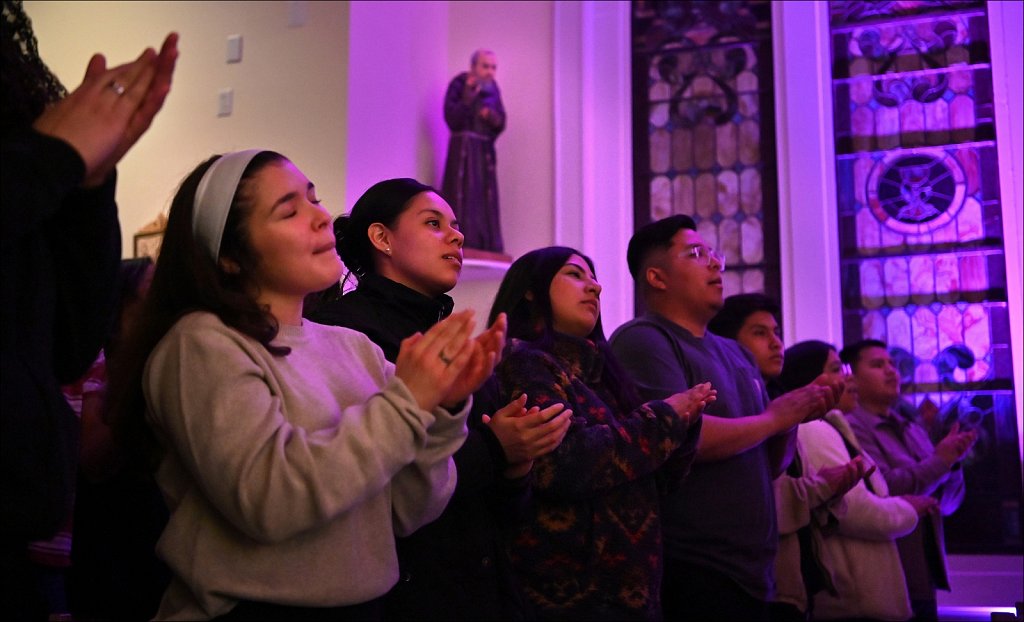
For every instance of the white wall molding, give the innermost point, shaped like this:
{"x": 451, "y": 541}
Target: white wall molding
{"x": 1005, "y": 20}
{"x": 593, "y": 208}
{"x": 808, "y": 219}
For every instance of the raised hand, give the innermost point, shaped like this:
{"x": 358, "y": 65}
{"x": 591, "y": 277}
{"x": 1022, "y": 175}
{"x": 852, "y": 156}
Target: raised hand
{"x": 837, "y": 385}
{"x": 956, "y": 444}
{"x": 844, "y": 477}
{"x": 493, "y": 339}
{"x": 527, "y": 435}
{"x": 486, "y": 354}
{"x": 111, "y": 109}
{"x": 152, "y": 103}
{"x": 690, "y": 404}
{"x": 807, "y": 403}
{"x": 430, "y": 363}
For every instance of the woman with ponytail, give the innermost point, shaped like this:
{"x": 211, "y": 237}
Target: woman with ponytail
{"x": 402, "y": 246}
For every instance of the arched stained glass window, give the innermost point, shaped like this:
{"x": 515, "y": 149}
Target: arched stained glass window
{"x": 704, "y": 142}
{"x": 923, "y": 265}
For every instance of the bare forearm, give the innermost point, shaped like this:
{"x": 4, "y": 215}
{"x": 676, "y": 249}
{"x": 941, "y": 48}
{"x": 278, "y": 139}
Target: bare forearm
{"x": 723, "y": 438}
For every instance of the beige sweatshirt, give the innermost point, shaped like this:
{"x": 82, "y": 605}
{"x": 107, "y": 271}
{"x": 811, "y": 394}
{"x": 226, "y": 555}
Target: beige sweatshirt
{"x": 287, "y": 478}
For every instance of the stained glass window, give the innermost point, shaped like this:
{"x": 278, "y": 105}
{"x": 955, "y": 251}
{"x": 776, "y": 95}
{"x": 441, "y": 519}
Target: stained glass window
{"x": 702, "y": 85}
{"x": 923, "y": 266}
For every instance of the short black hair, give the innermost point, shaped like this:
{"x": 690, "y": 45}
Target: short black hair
{"x": 736, "y": 309}
{"x": 655, "y": 235}
{"x": 850, "y": 354}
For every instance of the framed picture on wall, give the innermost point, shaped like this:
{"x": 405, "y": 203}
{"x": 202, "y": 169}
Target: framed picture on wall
{"x": 148, "y": 244}
{"x": 147, "y": 240}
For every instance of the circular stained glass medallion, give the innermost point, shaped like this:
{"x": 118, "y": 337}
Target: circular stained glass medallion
{"x": 917, "y": 192}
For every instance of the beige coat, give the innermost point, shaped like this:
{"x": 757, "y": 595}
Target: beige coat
{"x": 861, "y": 553}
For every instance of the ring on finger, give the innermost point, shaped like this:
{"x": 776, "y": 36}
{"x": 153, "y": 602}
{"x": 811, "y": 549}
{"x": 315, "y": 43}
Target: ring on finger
{"x": 444, "y": 359}
{"x": 117, "y": 87}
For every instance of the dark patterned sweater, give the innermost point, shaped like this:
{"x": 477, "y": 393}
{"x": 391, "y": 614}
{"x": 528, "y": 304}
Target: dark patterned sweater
{"x": 590, "y": 544}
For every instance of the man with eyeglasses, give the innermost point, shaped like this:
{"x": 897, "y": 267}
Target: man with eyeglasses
{"x": 720, "y": 525}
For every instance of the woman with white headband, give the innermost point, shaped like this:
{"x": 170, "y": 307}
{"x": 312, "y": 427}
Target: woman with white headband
{"x": 288, "y": 469}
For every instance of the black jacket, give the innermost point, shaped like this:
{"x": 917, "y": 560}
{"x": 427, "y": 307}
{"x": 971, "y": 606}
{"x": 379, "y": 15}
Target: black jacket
{"x": 457, "y": 567}
{"x": 61, "y": 247}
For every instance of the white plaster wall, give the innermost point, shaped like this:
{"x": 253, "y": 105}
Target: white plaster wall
{"x": 593, "y": 144}
{"x": 396, "y": 78}
{"x": 521, "y": 35}
{"x": 808, "y": 223}
{"x": 289, "y": 89}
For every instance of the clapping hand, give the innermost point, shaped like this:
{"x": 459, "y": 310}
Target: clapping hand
{"x": 526, "y": 435}
{"x": 836, "y": 385}
{"x": 430, "y": 363}
{"x": 841, "y": 479}
{"x": 486, "y": 352}
{"x": 112, "y": 108}
{"x": 690, "y": 404}
{"x": 956, "y": 444}
{"x": 471, "y": 89}
{"x": 808, "y": 403}
{"x": 922, "y": 504}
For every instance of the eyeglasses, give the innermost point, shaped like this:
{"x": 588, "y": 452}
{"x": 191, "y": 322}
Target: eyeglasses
{"x": 704, "y": 255}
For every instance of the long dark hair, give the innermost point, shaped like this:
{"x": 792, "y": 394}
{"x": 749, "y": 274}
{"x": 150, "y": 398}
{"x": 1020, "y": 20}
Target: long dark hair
{"x": 187, "y": 279}
{"x": 533, "y": 320}
{"x": 130, "y": 276}
{"x": 802, "y": 363}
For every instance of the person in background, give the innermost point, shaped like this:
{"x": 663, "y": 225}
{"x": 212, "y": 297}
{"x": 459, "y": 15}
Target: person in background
{"x": 51, "y": 558}
{"x": 854, "y": 536}
{"x": 54, "y": 557}
{"x": 475, "y": 115}
{"x": 752, "y": 320}
{"x": 911, "y": 466}
{"x": 290, "y": 453}
{"x": 119, "y": 512}
{"x": 403, "y": 244}
{"x": 590, "y": 547}
{"x": 720, "y": 524}
{"x": 60, "y": 242}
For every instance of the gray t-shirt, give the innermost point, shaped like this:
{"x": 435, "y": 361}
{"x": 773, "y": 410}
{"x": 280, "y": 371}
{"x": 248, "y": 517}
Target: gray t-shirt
{"x": 723, "y": 514}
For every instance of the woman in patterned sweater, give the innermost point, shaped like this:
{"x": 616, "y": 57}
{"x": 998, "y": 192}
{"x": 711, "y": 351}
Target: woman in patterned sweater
{"x": 590, "y": 544}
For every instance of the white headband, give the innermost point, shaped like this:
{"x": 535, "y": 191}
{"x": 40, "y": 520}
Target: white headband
{"x": 214, "y": 195}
